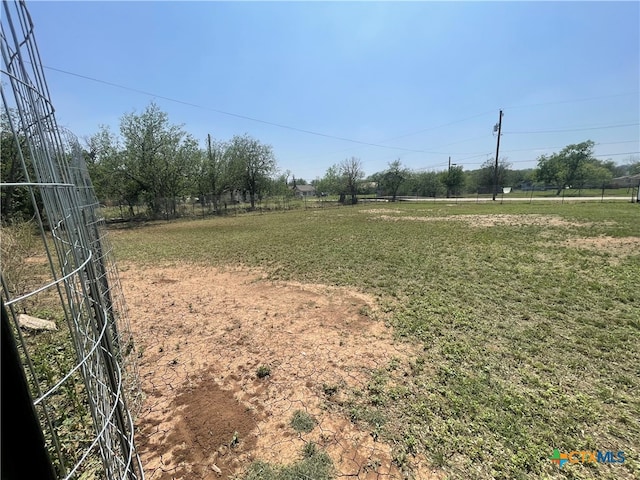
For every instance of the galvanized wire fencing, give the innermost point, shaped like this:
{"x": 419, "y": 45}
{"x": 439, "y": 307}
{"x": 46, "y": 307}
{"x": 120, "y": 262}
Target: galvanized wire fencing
{"x": 57, "y": 265}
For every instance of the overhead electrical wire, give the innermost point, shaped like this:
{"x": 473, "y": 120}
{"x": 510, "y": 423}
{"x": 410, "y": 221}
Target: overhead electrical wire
{"x": 372, "y": 144}
{"x": 587, "y": 99}
{"x": 621, "y": 125}
{"x": 222, "y": 112}
{"x": 595, "y": 155}
{"x": 391, "y": 147}
{"x": 562, "y": 146}
{"x": 253, "y": 119}
{"x": 479, "y": 154}
{"x": 520, "y": 161}
{"x": 438, "y": 126}
{"x": 182, "y": 102}
{"x": 458, "y": 160}
{"x": 420, "y": 131}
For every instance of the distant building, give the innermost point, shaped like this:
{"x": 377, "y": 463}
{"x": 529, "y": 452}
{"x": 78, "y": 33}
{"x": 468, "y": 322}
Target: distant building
{"x": 304, "y": 190}
{"x": 626, "y": 181}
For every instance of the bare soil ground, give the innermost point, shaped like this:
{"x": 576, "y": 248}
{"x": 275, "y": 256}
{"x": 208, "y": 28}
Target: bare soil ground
{"x": 620, "y": 246}
{"x": 489, "y": 220}
{"x": 201, "y": 334}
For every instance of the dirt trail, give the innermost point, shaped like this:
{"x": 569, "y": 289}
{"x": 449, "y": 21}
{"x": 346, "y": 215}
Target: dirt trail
{"x": 202, "y": 334}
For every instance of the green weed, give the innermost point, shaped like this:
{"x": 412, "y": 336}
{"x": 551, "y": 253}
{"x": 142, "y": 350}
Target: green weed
{"x": 314, "y": 465}
{"x": 301, "y": 421}
{"x": 263, "y": 371}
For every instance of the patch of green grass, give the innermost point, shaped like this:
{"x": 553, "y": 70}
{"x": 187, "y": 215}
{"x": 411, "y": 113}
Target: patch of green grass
{"x": 528, "y": 344}
{"x": 263, "y": 371}
{"x": 314, "y": 465}
{"x": 301, "y": 421}
{"x": 330, "y": 389}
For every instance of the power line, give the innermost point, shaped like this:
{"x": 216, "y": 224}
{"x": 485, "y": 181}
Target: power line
{"x": 614, "y": 154}
{"x": 515, "y": 150}
{"x": 378, "y": 145}
{"x": 476, "y": 138}
{"x": 480, "y": 154}
{"x": 613, "y": 143}
{"x": 288, "y": 127}
{"x": 594, "y": 156}
{"x": 454, "y": 143}
{"x": 575, "y": 100}
{"x": 562, "y": 146}
{"x": 418, "y": 151}
{"x": 526, "y": 161}
{"x": 439, "y": 126}
{"x": 520, "y": 161}
{"x": 237, "y": 115}
{"x": 576, "y": 129}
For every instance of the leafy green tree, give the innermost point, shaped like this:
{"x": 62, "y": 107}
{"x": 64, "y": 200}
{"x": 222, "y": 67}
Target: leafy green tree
{"x": 484, "y": 176}
{"x": 551, "y": 171}
{"x": 566, "y": 168}
{"x": 213, "y": 172}
{"x": 613, "y": 168}
{"x": 593, "y": 174}
{"x": 453, "y": 179}
{"x": 279, "y": 186}
{"x": 251, "y": 164}
{"x": 331, "y": 183}
{"x": 630, "y": 167}
{"x": 393, "y": 177}
{"x": 423, "y": 184}
{"x": 15, "y": 202}
{"x": 178, "y": 174}
{"x": 200, "y": 184}
{"x": 160, "y": 157}
{"x": 522, "y": 178}
{"x": 107, "y": 168}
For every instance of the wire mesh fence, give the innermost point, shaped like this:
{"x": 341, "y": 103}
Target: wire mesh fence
{"x": 58, "y": 271}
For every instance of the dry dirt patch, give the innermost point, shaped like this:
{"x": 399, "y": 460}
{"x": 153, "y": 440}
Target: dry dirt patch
{"x": 378, "y": 211}
{"x": 616, "y": 246}
{"x": 202, "y": 333}
{"x": 488, "y": 220}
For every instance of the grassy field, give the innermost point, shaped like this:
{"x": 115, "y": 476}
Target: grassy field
{"x": 529, "y": 321}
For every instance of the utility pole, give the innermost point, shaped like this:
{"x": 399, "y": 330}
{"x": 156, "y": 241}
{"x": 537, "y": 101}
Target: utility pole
{"x": 495, "y": 170}
{"x": 449, "y": 178}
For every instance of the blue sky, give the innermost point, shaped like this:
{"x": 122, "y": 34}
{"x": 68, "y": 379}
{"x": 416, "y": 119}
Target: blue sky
{"x": 421, "y": 80}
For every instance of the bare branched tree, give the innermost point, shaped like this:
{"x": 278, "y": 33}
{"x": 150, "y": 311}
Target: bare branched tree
{"x": 352, "y": 173}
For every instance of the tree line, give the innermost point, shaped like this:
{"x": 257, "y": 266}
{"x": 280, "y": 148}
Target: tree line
{"x": 575, "y": 166}
{"x": 157, "y": 163}
{"x": 153, "y": 162}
